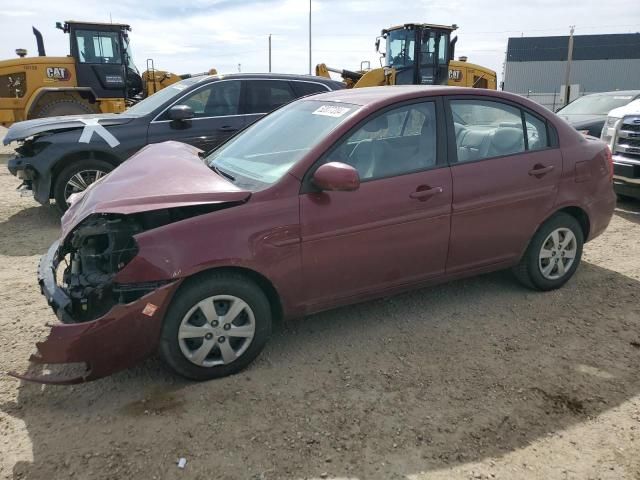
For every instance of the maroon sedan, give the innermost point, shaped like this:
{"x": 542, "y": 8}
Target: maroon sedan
{"x": 330, "y": 200}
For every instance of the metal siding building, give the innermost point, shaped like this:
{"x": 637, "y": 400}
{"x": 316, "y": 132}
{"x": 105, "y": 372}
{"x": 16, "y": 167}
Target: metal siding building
{"x": 536, "y": 66}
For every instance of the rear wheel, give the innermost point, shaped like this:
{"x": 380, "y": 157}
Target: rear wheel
{"x": 215, "y": 326}
{"x": 54, "y": 106}
{"x": 553, "y": 254}
{"x": 76, "y": 177}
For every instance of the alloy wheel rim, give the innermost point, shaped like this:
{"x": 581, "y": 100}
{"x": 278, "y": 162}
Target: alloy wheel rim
{"x": 557, "y": 254}
{"x": 216, "y": 331}
{"x": 81, "y": 181}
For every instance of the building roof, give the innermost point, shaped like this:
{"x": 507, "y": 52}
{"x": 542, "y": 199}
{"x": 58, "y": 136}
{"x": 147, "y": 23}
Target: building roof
{"x": 585, "y": 47}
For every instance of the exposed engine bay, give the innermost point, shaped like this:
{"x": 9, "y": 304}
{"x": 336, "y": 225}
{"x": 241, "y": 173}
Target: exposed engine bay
{"x": 95, "y": 252}
{"x": 98, "y": 249}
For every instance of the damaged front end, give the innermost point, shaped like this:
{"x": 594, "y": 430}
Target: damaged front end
{"x": 110, "y": 322}
{"x": 106, "y": 325}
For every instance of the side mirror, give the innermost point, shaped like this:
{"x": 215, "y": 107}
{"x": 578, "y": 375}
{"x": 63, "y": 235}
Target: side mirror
{"x": 336, "y": 176}
{"x": 181, "y": 112}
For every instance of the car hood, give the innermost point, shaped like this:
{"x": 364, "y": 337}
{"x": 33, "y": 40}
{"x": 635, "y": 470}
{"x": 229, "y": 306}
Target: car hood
{"x": 162, "y": 175}
{"x": 632, "y": 108}
{"x": 29, "y": 128}
{"x": 582, "y": 119}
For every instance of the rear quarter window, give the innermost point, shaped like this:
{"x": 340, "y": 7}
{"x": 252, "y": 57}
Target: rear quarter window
{"x": 302, "y": 89}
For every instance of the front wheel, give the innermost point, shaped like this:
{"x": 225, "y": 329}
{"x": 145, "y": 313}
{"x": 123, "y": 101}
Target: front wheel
{"x": 215, "y": 326}
{"x": 75, "y": 178}
{"x": 553, "y": 254}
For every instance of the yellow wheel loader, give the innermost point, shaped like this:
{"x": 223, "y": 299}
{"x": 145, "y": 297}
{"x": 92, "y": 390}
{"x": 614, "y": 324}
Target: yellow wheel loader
{"x": 98, "y": 76}
{"x": 418, "y": 54}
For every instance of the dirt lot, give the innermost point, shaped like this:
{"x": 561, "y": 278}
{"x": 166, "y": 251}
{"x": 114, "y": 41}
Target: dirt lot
{"x": 474, "y": 379}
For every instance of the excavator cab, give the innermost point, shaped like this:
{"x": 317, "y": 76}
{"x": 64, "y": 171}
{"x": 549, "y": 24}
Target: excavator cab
{"x": 103, "y": 58}
{"x": 419, "y": 52}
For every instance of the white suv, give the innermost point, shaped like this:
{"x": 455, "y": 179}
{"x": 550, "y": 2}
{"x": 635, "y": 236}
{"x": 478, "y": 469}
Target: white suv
{"x": 622, "y": 133}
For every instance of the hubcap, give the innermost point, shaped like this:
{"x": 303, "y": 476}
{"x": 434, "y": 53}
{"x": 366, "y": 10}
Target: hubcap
{"x": 81, "y": 180}
{"x": 216, "y": 331}
{"x": 557, "y": 254}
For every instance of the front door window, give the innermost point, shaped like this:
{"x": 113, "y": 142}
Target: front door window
{"x": 217, "y": 99}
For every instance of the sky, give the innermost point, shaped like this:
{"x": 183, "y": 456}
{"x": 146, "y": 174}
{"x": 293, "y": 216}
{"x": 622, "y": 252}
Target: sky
{"x": 194, "y": 36}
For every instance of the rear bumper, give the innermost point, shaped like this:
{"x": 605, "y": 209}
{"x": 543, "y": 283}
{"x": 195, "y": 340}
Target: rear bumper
{"x": 122, "y": 337}
{"x": 600, "y": 213}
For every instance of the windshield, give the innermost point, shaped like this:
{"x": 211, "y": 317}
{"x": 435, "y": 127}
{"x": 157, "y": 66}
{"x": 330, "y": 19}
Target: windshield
{"x": 400, "y": 48}
{"x": 264, "y": 152}
{"x": 595, "y": 104}
{"x": 165, "y": 95}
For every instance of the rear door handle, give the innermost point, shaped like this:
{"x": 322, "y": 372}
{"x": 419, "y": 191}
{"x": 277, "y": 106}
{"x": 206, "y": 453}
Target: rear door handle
{"x": 423, "y": 193}
{"x": 540, "y": 170}
{"x": 227, "y": 128}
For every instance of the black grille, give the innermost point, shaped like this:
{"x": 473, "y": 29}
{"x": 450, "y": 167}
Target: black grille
{"x": 630, "y": 127}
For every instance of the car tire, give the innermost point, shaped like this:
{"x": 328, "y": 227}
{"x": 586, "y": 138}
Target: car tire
{"x": 88, "y": 170}
{"x": 546, "y": 264}
{"x": 64, "y": 106}
{"x": 186, "y": 326}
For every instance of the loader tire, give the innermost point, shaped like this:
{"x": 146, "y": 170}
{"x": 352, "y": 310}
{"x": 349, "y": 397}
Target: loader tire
{"x": 68, "y": 105}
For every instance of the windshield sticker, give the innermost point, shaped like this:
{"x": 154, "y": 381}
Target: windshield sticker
{"x": 331, "y": 111}
{"x": 622, "y": 98}
{"x": 92, "y": 126}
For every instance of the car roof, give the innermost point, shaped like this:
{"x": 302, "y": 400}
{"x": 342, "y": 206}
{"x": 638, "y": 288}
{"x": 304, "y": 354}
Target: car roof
{"x": 377, "y": 96}
{"x": 276, "y": 76}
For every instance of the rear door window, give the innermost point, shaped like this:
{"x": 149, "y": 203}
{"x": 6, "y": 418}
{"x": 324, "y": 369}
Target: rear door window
{"x": 486, "y": 129}
{"x": 263, "y": 96}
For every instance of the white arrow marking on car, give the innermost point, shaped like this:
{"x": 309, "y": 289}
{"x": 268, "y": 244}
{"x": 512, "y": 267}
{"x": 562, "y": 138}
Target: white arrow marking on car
{"x": 92, "y": 126}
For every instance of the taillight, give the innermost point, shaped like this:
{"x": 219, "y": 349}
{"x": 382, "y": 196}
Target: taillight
{"x": 610, "y": 163}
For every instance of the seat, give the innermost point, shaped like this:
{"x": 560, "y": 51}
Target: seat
{"x": 506, "y": 141}
{"x": 361, "y": 158}
{"x": 426, "y": 154}
{"x": 389, "y": 161}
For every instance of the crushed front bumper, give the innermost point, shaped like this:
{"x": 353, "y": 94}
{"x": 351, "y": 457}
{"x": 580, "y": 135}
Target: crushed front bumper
{"x": 122, "y": 337}
{"x": 38, "y": 182}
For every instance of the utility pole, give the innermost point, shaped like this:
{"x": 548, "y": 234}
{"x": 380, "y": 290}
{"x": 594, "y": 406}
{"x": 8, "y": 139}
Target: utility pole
{"x": 309, "y": 37}
{"x": 269, "y": 53}
{"x": 567, "y": 74}
{"x": 239, "y": 67}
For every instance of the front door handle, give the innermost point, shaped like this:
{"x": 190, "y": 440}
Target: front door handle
{"x": 227, "y": 128}
{"x": 424, "y": 192}
{"x": 539, "y": 170}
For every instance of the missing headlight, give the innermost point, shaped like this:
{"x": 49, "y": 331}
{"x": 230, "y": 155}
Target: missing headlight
{"x": 99, "y": 248}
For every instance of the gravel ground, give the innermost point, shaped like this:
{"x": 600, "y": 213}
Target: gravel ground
{"x": 478, "y": 378}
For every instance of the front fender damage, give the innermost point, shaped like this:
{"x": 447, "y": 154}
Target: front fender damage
{"x": 121, "y": 338}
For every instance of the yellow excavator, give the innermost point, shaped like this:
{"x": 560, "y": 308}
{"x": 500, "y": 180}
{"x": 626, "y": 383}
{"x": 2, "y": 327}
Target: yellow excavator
{"x": 98, "y": 76}
{"x": 417, "y": 54}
